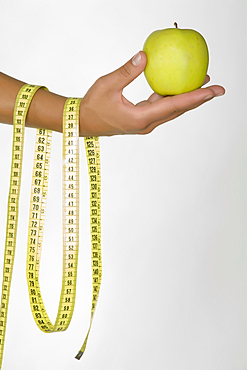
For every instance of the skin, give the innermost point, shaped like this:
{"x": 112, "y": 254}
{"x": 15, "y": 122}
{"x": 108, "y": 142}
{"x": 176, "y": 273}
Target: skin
{"x": 104, "y": 111}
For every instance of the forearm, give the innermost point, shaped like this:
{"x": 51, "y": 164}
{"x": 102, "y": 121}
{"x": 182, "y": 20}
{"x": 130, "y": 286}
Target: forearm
{"x": 46, "y": 108}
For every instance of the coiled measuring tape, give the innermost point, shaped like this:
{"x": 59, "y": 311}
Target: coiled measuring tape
{"x": 37, "y": 215}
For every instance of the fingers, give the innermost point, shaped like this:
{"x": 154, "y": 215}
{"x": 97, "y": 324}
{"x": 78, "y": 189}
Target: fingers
{"x": 124, "y": 75}
{"x": 155, "y": 97}
{"x": 207, "y": 79}
{"x": 149, "y": 128}
{"x": 175, "y": 104}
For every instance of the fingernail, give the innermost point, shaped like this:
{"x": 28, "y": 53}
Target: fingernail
{"x": 136, "y": 60}
{"x": 220, "y": 94}
{"x": 208, "y": 97}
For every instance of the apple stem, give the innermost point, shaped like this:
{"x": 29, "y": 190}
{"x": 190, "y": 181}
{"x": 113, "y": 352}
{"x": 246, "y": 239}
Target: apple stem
{"x": 176, "y": 25}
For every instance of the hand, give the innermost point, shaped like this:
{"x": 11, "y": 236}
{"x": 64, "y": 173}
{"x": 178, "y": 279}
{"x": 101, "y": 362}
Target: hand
{"x": 105, "y": 111}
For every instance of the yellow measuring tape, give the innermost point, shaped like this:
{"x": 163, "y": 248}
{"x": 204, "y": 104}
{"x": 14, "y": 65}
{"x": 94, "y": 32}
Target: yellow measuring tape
{"x": 37, "y": 215}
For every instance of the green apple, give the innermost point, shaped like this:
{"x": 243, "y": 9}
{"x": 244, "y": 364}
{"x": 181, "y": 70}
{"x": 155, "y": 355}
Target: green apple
{"x": 177, "y": 60}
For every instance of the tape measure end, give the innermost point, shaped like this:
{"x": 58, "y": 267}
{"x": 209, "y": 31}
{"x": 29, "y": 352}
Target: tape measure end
{"x": 79, "y": 355}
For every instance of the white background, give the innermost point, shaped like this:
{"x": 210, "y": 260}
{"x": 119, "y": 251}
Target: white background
{"x": 174, "y": 290}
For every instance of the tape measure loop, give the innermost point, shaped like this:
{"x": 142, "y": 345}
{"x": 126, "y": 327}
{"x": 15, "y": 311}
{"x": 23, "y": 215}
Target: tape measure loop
{"x": 39, "y": 190}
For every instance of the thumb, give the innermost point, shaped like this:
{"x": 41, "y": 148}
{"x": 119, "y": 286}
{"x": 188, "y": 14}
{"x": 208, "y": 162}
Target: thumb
{"x": 124, "y": 75}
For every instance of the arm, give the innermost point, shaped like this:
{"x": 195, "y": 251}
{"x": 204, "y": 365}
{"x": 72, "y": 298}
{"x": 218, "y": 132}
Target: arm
{"x": 104, "y": 111}
{"x": 46, "y": 108}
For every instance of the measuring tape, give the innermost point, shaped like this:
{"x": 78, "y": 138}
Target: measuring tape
{"x": 37, "y": 215}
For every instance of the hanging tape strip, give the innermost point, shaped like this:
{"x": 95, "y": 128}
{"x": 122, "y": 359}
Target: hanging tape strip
{"x": 37, "y": 215}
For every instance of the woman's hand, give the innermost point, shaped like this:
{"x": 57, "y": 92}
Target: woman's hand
{"x": 105, "y": 111}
